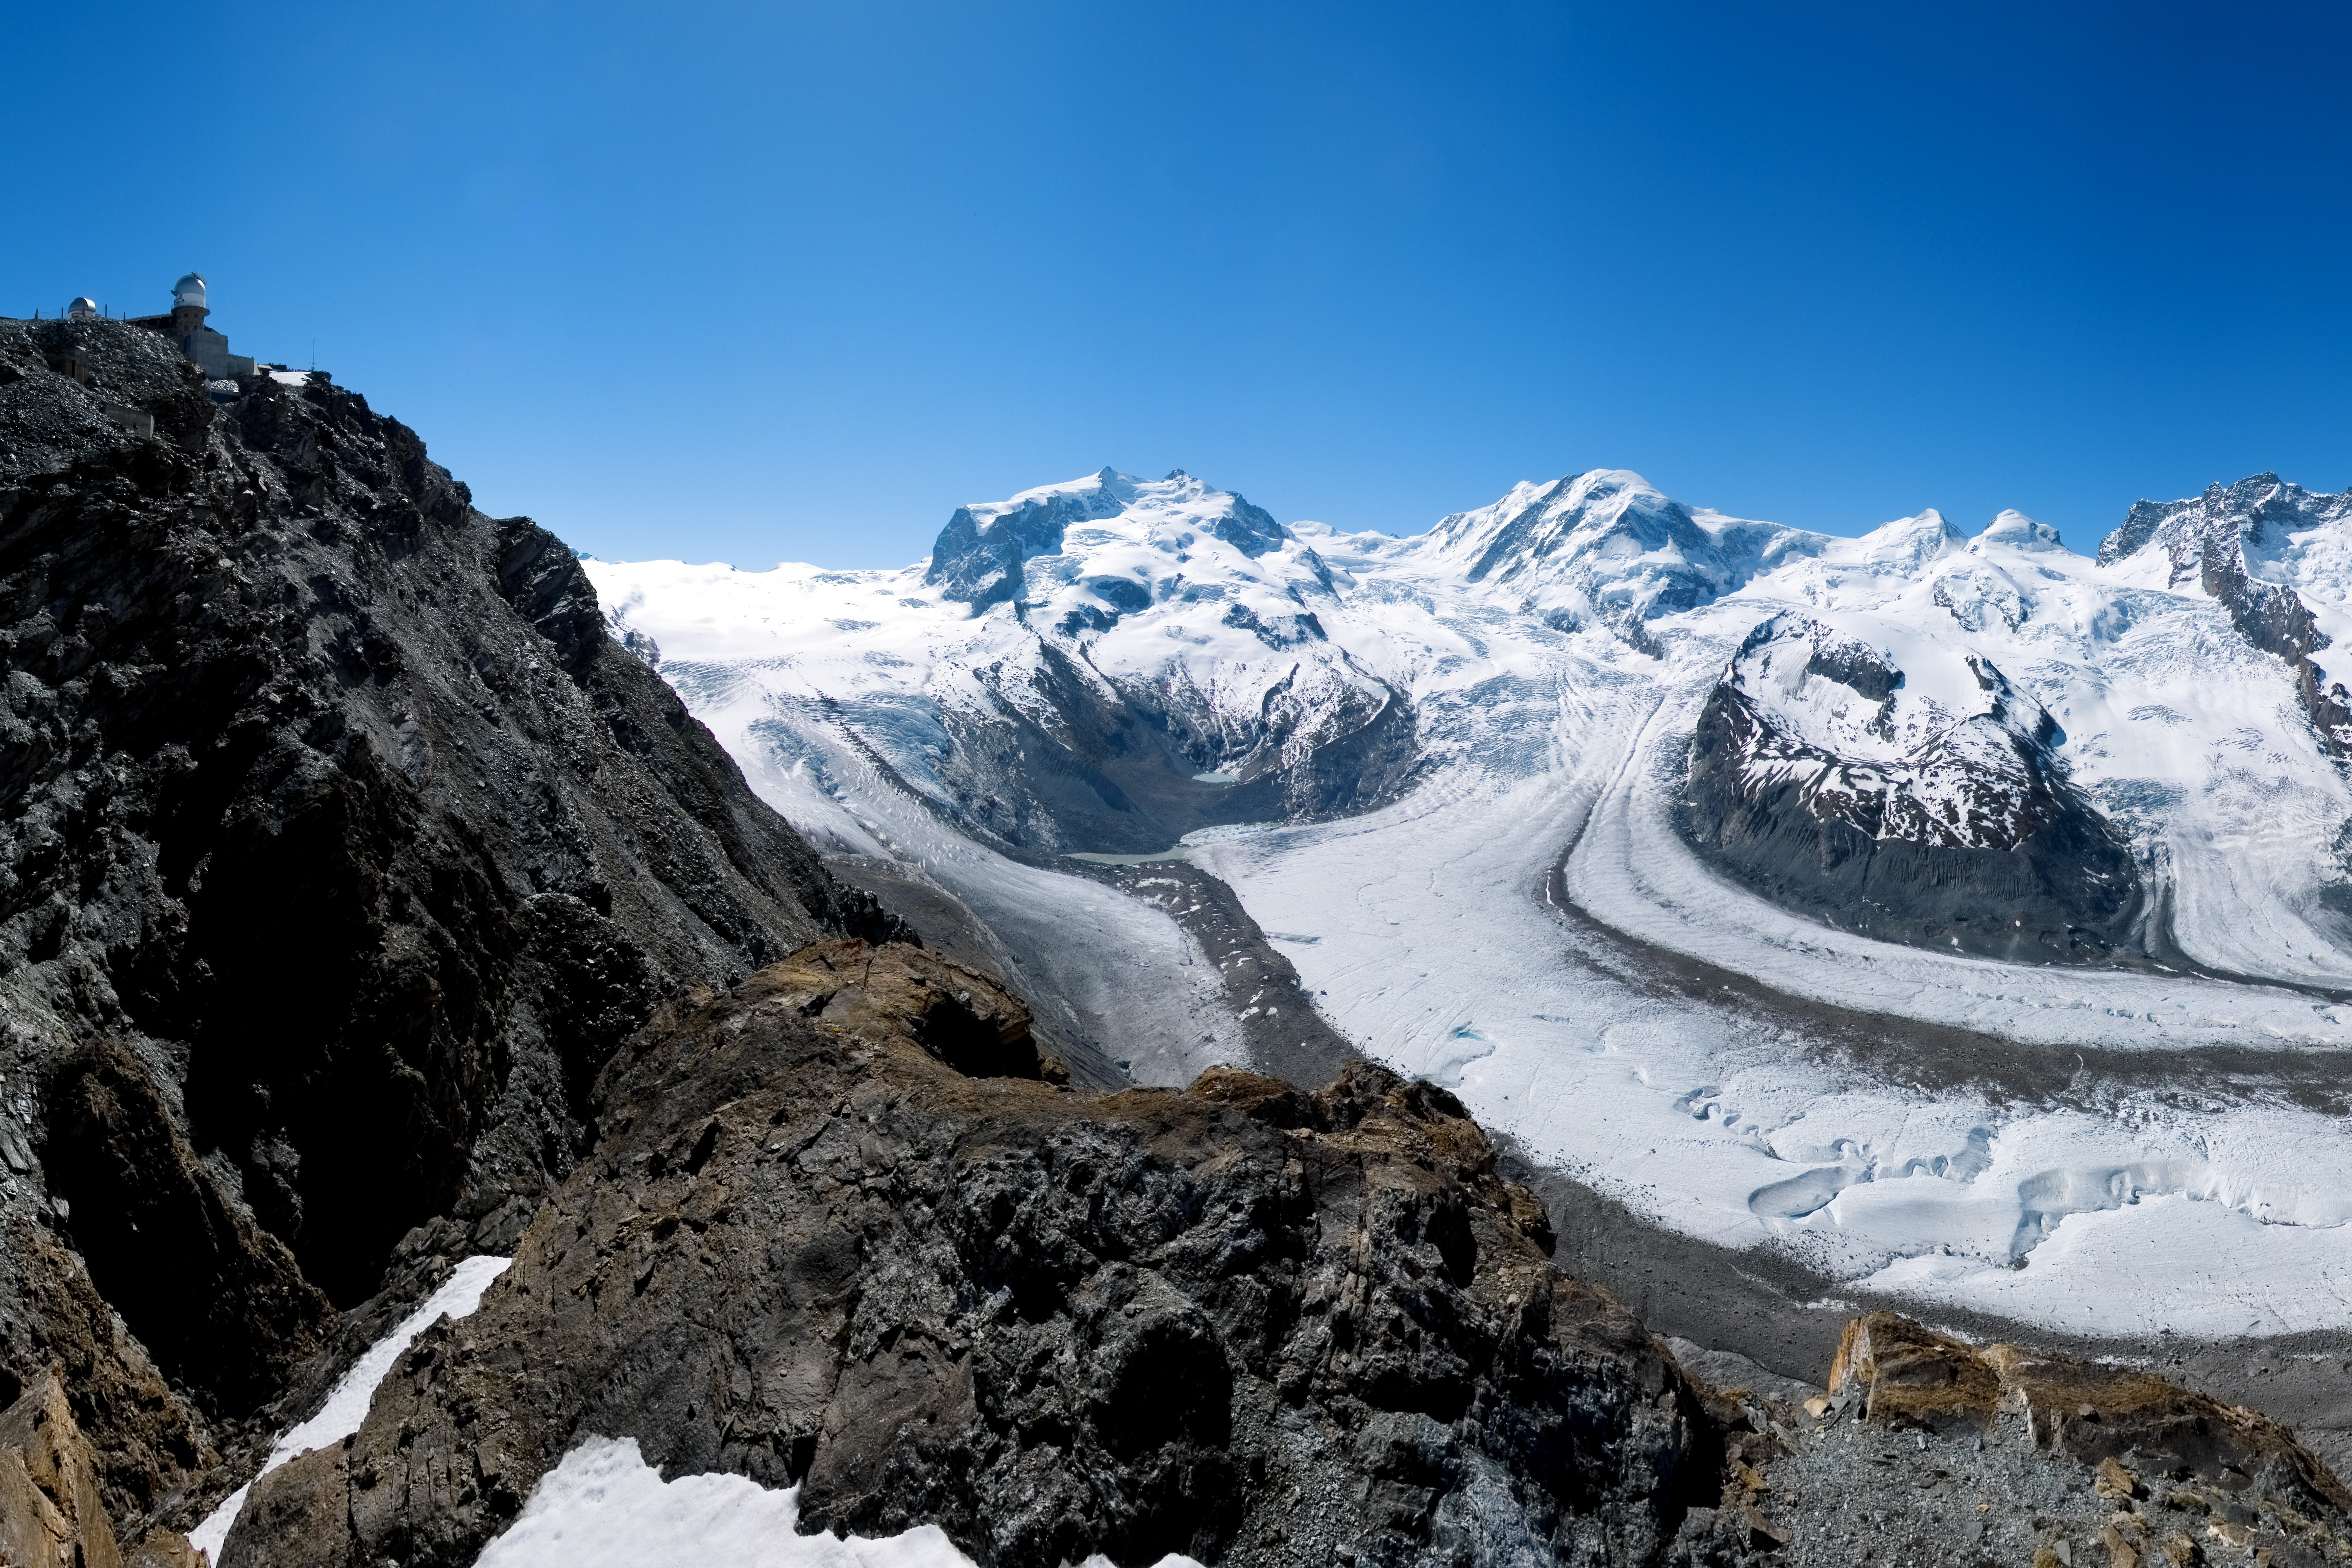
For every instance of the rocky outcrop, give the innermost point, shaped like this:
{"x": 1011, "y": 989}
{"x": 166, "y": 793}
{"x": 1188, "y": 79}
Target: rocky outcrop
{"x": 1966, "y": 833}
{"x": 1927, "y": 1450}
{"x": 2206, "y": 540}
{"x": 50, "y": 1506}
{"x": 339, "y": 846}
{"x": 1907, "y": 1374}
{"x": 1247, "y": 1322}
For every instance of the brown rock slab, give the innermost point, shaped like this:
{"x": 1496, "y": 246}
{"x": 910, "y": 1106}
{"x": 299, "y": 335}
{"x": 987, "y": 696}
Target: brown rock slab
{"x": 164, "y": 1549}
{"x": 50, "y": 1506}
{"x": 1910, "y": 1374}
{"x": 298, "y": 1512}
{"x": 838, "y": 1233}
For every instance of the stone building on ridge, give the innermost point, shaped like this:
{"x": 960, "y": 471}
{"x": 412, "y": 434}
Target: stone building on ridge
{"x": 185, "y": 326}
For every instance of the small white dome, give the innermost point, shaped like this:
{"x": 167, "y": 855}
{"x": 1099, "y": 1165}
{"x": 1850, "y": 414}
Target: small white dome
{"x": 189, "y": 290}
{"x": 84, "y": 309}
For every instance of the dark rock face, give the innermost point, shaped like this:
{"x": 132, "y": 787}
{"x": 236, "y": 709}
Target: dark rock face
{"x": 2209, "y": 539}
{"x": 1973, "y": 839}
{"x": 1243, "y": 1321}
{"x": 150, "y": 1219}
{"x": 1111, "y": 769}
{"x": 339, "y": 845}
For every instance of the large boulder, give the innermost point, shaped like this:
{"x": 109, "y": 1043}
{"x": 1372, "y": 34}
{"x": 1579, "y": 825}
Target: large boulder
{"x": 1243, "y": 1322}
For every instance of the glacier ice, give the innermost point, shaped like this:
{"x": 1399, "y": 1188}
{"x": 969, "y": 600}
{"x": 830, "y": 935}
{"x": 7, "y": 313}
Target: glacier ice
{"x": 1516, "y": 909}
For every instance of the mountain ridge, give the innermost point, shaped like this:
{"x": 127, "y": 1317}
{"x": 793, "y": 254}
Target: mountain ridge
{"x": 2157, "y": 797}
{"x": 370, "y": 904}
{"x": 341, "y": 843}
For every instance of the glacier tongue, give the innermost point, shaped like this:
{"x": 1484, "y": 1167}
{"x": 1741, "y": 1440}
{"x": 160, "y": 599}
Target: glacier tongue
{"x": 1484, "y": 839}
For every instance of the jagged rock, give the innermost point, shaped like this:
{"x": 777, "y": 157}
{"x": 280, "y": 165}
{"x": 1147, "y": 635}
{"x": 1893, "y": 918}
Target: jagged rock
{"x": 50, "y": 1506}
{"x": 164, "y": 1549}
{"x": 1243, "y": 1322}
{"x": 2205, "y": 539}
{"x": 339, "y": 845}
{"x": 1907, "y": 1373}
{"x": 1948, "y": 829}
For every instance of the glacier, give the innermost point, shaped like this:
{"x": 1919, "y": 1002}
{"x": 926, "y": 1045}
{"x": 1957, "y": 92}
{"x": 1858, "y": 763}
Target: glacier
{"x": 1964, "y": 916}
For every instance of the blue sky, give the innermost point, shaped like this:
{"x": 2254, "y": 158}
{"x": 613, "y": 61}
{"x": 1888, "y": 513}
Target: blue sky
{"x": 753, "y": 283}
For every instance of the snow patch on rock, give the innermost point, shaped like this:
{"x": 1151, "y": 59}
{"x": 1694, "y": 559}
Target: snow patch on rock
{"x": 347, "y": 1402}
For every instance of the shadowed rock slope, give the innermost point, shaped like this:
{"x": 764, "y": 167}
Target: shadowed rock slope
{"x": 1242, "y": 1322}
{"x": 339, "y": 846}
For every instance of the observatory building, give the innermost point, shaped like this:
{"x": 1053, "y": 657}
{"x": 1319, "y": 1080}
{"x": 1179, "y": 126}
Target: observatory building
{"x": 185, "y": 326}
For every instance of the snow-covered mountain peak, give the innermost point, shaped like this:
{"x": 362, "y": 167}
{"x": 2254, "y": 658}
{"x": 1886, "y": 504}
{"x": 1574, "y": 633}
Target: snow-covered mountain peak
{"x": 2268, "y": 519}
{"x": 2018, "y": 531}
{"x": 981, "y": 556}
{"x": 1606, "y": 511}
{"x": 1604, "y": 545}
{"x": 1829, "y": 690}
{"x": 1909, "y": 544}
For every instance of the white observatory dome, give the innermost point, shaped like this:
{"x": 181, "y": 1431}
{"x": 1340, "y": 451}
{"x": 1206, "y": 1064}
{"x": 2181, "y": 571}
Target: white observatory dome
{"x": 189, "y": 290}
{"x": 84, "y": 309}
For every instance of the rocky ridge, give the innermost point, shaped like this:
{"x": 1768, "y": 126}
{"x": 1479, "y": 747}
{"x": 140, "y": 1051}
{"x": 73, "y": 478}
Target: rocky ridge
{"x": 1953, "y": 824}
{"x": 337, "y": 847}
{"x": 1244, "y": 1323}
{"x": 2207, "y": 539}
{"x": 1241, "y": 1322}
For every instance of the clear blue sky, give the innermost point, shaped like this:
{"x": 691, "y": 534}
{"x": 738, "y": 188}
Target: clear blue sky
{"x": 764, "y": 283}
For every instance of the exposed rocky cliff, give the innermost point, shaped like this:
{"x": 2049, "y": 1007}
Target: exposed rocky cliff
{"x": 1244, "y": 1323}
{"x": 2206, "y": 540}
{"x": 1823, "y": 778}
{"x": 339, "y": 845}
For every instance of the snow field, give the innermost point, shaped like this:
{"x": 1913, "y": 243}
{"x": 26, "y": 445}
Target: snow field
{"x": 603, "y": 1507}
{"x": 1429, "y": 952}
